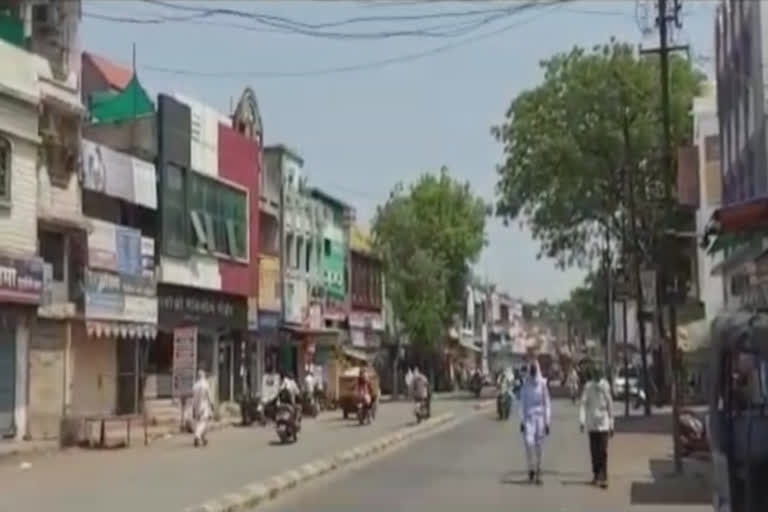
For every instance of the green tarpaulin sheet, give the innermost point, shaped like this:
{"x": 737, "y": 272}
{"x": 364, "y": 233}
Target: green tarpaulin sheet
{"x": 130, "y": 103}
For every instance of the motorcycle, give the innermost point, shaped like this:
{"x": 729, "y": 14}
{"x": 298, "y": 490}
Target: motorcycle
{"x": 254, "y": 408}
{"x": 309, "y": 404}
{"x": 476, "y": 385}
{"x": 366, "y": 412}
{"x": 287, "y": 423}
{"x": 422, "y": 410}
{"x": 693, "y": 433}
{"x": 503, "y": 405}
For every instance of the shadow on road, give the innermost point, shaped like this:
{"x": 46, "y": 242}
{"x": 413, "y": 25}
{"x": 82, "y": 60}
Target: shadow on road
{"x": 668, "y": 488}
{"x": 520, "y": 477}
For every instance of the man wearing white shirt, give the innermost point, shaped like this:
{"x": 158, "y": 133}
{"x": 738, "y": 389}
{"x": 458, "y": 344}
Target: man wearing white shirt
{"x": 596, "y": 416}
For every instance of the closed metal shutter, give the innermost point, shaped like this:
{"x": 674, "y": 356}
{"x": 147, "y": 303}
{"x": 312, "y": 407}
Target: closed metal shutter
{"x": 7, "y": 377}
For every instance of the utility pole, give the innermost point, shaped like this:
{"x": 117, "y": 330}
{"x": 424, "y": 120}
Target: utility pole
{"x": 664, "y": 19}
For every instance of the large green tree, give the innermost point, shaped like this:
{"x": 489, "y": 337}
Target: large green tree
{"x": 428, "y": 235}
{"x": 573, "y": 143}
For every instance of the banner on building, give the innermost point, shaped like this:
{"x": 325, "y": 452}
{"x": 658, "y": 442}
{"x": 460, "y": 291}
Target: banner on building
{"x": 21, "y": 280}
{"x": 118, "y": 175}
{"x": 184, "y": 361}
{"x": 119, "y": 249}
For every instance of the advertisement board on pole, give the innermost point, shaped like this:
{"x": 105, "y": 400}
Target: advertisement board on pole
{"x": 184, "y": 360}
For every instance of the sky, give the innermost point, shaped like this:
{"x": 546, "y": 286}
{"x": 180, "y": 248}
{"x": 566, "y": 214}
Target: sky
{"x": 360, "y": 132}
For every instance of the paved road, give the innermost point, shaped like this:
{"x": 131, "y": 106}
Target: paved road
{"x": 170, "y": 475}
{"x": 479, "y": 465}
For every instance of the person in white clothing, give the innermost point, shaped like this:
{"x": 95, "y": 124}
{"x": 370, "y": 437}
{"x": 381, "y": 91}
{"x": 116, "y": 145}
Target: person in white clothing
{"x": 596, "y": 416}
{"x": 202, "y": 408}
{"x": 535, "y": 418}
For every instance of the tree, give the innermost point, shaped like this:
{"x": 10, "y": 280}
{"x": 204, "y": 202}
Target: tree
{"x": 427, "y": 237}
{"x": 572, "y": 143}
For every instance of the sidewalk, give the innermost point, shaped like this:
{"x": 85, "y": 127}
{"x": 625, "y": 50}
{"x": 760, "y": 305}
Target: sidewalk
{"x": 171, "y": 475}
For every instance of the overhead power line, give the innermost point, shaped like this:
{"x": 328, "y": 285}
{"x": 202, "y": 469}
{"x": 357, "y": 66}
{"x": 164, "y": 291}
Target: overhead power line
{"x": 363, "y": 66}
{"x": 451, "y": 23}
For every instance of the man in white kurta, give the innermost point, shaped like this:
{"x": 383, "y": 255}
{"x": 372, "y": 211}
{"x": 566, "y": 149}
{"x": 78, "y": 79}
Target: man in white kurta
{"x": 535, "y": 418}
{"x": 202, "y": 408}
{"x": 596, "y": 417}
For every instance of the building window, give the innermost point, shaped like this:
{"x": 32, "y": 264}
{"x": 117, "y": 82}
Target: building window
{"x": 52, "y": 251}
{"x": 174, "y": 212}
{"x": 327, "y": 247}
{"x": 218, "y": 214}
{"x": 289, "y": 250}
{"x": 299, "y": 252}
{"x": 5, "y": 169}
{"x": 308, "y": 261}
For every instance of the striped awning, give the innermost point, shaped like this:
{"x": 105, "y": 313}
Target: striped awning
{"x": 104, "y": 329}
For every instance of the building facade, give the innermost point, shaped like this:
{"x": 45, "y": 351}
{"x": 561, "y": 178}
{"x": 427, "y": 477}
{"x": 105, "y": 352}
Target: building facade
{"x": 366, "y": 294}
{"x": 40, "y": 151}
{"x": 208, "y": 186}
{"x": 740, "y": 47}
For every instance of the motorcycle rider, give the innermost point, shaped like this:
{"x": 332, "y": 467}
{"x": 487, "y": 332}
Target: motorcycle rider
{"x": 572, "y": 383}
{"x": 365, "y": 389}
{"x": 535, "y": 418}
{"x": 289, "y": 390}
{"x": 420, "y": 387}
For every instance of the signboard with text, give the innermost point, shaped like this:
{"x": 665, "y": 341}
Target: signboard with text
{"x": 184, "y": 361}
{"x": 21, "y": 280}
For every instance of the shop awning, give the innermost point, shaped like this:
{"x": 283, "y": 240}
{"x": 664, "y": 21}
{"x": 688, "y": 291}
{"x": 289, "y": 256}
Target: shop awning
{"x": 738, "y": 258}
{"x": 101, "y": 329}
{"x": 355, "y": 354}
{"x": 742, "y": 216}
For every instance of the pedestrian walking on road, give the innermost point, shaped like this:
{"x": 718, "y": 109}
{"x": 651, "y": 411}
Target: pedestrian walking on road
{"x": 202, "y": 408}
{"x": 596, "y": 416}
{"x": 535, "y": 418}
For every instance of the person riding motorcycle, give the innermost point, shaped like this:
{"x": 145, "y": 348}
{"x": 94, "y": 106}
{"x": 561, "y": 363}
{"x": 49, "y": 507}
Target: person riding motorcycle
{"x": 365, "y": 389}
{"x": 420, "y": 386}
{"x": 572, "y": 383}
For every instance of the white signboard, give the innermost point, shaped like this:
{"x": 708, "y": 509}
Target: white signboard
{"x": 184, "y": 360}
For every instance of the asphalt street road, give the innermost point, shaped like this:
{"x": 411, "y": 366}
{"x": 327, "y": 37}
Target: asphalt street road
{"x": 480, "y": 465}
{"x": 172, "y": 475}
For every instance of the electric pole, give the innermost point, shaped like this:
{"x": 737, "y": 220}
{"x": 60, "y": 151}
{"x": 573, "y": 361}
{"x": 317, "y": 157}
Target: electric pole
{"x": 669, "y": 17}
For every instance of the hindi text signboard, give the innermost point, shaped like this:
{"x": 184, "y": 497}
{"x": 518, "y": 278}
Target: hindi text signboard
{"x": 184, "y": 360}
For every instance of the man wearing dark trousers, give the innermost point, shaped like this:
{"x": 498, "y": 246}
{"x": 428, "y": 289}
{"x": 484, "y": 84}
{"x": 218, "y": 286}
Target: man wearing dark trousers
{"x": 596, "y": 416}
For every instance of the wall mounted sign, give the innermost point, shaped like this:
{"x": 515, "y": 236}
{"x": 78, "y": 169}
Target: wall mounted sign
{"x": 119, "y": 249}
{"x": 21, "y": 280}
{"x": 118, "y": 175}
{"x": 180, "y": 305}
{"x": 184, "y": 361}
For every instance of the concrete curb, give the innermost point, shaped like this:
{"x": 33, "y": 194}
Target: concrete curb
{"x": 257, "y": 493}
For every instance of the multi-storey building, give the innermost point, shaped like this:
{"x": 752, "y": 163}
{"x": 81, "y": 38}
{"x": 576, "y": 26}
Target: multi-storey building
{"x": 366, "y": 294}
{"x": 208, "y": 243}
{"x": 40, "y": 194}
{"x": 119, "y": 198}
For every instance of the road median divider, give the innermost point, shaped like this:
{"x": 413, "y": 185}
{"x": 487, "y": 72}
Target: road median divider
{"x": 257, "y": 493}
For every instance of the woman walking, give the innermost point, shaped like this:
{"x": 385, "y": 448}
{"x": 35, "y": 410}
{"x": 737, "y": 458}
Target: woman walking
{"x": 535, "y": 417}
{"x": 596, "y": 416}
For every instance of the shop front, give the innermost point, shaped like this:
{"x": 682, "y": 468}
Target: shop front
{"x": 310, "y": 346}
{"x": 21, "y": 285}
{"x": 265, "y": 348}
{"x": 366, "y": 330}
{"x": 221, "y": 324}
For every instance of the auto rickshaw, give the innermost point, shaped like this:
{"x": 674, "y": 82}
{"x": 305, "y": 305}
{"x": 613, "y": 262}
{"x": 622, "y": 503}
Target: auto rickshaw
{"x": 348, "y": 391}
{"x": 738, "y": 423}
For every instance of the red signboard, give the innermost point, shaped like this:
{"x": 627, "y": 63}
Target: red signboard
{"x": 21, "y": 280}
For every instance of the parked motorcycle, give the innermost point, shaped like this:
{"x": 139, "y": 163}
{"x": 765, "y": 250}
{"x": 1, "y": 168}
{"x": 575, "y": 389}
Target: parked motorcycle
{"x": 693, "y": 433}
{"x": 254, "y": 408}
{"x": 287, "y": 423}
{"x": 309, "y": 405}
{"x": 366, "y": 412}
{"x": 503, "y": 405}
{"x": 476, "y": 385}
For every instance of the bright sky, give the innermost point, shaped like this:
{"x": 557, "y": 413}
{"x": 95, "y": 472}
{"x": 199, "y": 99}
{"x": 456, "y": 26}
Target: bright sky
{"x": 362, "y": 131}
